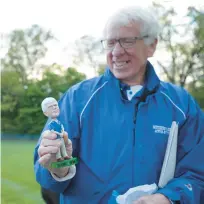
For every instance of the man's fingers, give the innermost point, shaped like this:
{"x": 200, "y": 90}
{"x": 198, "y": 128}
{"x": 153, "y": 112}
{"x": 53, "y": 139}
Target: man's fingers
{"x": 49, "y": 146}
{"x": 47, "y": 134}
{"x": 45, "y": 160}
{"x": 69, "y": 142}
{"x": 47, "y": 150}
{"x": 69, "y": 148}
{"x": 47, "y": 142}
{"x": 140, "y": 202}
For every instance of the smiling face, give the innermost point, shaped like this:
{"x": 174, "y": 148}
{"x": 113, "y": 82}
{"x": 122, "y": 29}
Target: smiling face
{"x": 52, "y": 110}
{"x": 128, "y": 65}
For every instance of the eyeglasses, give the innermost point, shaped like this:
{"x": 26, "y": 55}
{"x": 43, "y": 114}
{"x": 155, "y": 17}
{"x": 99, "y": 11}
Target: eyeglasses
{"x": 124, "y": 42}
{"x": 53, "y": 106}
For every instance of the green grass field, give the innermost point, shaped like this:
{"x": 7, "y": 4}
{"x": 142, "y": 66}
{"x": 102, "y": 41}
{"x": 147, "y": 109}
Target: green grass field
{"x": 18, "y": 185}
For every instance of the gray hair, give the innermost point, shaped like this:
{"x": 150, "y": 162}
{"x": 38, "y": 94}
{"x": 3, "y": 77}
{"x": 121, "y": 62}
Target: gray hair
{"x": 45, "y": 102}
{"x": 149, "y": 25}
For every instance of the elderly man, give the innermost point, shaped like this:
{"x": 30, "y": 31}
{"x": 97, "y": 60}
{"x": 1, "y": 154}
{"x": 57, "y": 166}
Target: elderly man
{"x": 112, "y": 121}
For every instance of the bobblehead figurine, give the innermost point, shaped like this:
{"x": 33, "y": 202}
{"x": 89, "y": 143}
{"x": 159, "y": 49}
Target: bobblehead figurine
{"x": 51, "y": 109}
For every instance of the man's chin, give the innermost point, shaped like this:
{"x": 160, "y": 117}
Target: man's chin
{"x": 55, "y": 115}
{"x": 120, "y": 76}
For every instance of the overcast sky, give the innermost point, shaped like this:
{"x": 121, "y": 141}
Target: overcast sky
{"x": 69, "y": 19}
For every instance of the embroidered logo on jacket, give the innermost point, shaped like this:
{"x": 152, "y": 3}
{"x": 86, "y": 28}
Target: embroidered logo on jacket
{"x": 161, "y": 129}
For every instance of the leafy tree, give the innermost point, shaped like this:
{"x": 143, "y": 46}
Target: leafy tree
{"x": 184, "y": 44}
{"x": 55, "y": 83}
{"x": 11, "y": 94}
{"x": 21, "y": 104}
{"x": 198, "y": 92}
{"x": 26, "y": 48}
{"x": 101, "y": 68}
{"x": 88, "y": 51}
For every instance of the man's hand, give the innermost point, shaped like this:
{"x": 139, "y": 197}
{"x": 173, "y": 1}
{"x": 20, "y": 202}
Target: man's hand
{"x": 153, "y": 199}
{"x": 47, "y": 150}
{"x": 58, "y": 133}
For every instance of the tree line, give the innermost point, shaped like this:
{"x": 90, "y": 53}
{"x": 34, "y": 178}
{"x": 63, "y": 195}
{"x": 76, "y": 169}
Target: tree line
{"x": 22, "y": 94}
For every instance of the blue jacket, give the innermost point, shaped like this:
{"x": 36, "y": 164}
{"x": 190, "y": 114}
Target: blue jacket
{"x": 120, "y": 144}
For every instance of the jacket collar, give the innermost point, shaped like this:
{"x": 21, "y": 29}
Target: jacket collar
{"x": 152, "y": 81}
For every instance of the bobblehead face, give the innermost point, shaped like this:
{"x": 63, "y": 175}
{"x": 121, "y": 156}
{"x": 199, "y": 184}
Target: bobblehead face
{"x": 52, "y": 110}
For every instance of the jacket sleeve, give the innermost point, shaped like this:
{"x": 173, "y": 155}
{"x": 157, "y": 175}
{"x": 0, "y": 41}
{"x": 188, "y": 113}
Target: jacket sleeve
{"x": 188, "y": 184}
{"x": 68, "y": 117}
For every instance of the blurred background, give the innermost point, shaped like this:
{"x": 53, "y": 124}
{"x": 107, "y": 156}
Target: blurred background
{"x": 48, "y": 46}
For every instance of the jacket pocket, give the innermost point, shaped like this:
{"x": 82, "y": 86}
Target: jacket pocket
{"x": 86, "y": 185}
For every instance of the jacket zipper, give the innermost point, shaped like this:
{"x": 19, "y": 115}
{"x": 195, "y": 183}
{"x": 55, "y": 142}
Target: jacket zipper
{"x": 134, "y": 121}
{"x": 134, "y": 139}
{"x": 142, "y": 99}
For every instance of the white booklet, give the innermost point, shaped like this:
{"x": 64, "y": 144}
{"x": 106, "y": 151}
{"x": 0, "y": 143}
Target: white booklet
{"x": 169, "y": 164}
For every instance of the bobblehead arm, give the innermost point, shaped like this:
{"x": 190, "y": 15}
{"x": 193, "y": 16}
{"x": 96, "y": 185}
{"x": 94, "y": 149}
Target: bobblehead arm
{"x": 61, "y": 134}
{"x": 68, "y": 116}
{"x": 188, "y": 184}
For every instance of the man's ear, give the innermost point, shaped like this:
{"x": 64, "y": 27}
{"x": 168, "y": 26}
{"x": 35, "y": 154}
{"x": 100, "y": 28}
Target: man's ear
{"x": 152, "y": 48}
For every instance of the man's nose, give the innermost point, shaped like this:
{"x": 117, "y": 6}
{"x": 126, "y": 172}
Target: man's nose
{"x": 118, "y": 50}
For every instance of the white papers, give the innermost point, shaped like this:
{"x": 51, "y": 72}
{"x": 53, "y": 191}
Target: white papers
{"x": 135, "y": 193}
{"x": 169, "y": 164}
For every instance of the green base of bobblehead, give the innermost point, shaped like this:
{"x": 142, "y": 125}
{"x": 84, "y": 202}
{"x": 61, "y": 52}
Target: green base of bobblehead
{"x": 64, "y": 163}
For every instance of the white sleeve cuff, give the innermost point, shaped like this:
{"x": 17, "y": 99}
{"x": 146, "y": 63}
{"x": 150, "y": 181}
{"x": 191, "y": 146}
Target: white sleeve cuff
{"x": 70, "y": 175}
